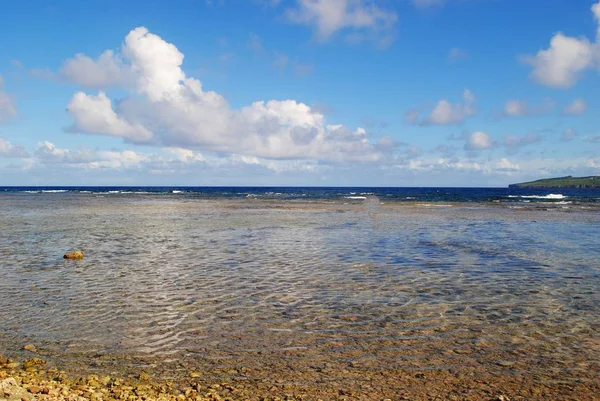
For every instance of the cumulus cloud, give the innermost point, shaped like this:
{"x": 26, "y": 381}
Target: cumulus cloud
{"x": 567, "y": 58}
{"x": 168, "y": 165}
{"x": 106, "y": 71}
{"x": 478, "y": 141}
{"x": 186, "y": 155}
{"x": 506, "y": 165}
{"x": 166, "y": 108}
{"x": 446, "y": 112}
{"x": 7, "y": 149}
{"x": 47, "y": 152}
{"x": 521, "y": 108}
{"x": 171, "y": 161}
{"x": 576, "y": 108}
{"x": 95, "y": 115}
{"x": 327, "y": 17}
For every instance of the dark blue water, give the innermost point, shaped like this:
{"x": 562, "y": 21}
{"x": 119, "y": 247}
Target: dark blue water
{"x": 477, "y": 195}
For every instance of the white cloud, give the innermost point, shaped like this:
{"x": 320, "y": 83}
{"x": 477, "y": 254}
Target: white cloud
{"x": 1, "y": 81}
{"x": 172, "y": 110}
{"x": 108, "y": 70}
{"x": 576, "y": 108}
{"x": 521, "y": 108}
{"x": 479, "y": 141}
{"x": 47, "y": 152}
{"x": 514, "y": 108}
{"x": 95, "y": 115}
{"x": 567, "y": 58}
{"x": 176, "y": 166}
{"x": 563, "y": 63}
{"x": 173, "y": 161}
{"x": 7, "y": 149}
{"x": 155, "y": 64}
{"x": 186, "y": 155}
{"x": 447, "y": 113}
{"x": 506, "y": 165}
{"x": 330, "y": 16}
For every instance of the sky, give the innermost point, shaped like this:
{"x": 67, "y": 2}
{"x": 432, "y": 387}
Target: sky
{"x": 298, "y": 92}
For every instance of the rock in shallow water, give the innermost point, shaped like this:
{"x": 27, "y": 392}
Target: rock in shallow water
{"x": 30, "y": 347}
{"x": 77, "y": 255}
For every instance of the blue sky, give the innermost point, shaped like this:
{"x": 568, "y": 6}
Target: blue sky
{"x": 298, "y": 92}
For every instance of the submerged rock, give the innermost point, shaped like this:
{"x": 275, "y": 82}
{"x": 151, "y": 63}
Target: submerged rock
{"x": 30, "y": 347}
{"x": 74, "y": 255}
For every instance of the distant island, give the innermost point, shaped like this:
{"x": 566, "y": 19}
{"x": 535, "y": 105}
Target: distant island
{"x": 561, "y": 182}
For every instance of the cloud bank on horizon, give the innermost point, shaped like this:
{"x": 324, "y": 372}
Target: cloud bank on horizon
{"x": 159, "y": 125}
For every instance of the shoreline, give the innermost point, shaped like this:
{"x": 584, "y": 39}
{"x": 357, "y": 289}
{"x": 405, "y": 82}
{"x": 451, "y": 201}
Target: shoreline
{"x": 35, "y": 379}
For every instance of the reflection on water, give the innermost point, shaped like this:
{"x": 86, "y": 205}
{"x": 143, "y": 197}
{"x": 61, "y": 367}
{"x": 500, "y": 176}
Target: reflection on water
{"x": 231, "y": 283}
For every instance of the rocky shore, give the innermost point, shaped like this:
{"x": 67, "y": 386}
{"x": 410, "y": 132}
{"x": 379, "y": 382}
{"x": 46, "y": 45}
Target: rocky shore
{"x": 33, "y": 379}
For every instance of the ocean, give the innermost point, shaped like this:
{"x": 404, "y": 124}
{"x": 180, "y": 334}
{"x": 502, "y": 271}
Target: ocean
{"x": 472, "y": 195}
{"x": 310, "y": 289}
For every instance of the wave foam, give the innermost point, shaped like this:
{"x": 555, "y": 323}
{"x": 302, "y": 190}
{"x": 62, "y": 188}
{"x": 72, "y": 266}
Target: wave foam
{"x": 549, "y": 196}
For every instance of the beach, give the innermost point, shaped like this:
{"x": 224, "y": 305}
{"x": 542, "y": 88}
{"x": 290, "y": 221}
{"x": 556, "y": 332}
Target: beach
{"x": 355, "y": 297}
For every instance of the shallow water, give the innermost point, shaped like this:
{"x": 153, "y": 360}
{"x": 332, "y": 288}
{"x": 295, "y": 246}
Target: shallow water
{"x": 290, "y": 290}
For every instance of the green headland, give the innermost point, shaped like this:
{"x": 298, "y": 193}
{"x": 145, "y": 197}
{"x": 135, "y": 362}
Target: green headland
{"x": 561, "y": 182}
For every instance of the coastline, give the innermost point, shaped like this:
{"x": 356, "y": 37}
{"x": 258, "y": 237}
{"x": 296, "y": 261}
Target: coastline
{"x": 35, "y": 379}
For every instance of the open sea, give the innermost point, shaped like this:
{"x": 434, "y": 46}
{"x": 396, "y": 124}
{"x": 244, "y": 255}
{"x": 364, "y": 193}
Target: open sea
{"x": 381, "y": 291}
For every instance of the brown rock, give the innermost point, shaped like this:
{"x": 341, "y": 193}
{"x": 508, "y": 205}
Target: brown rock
{"x": 9, "y": 389}
{"x": 34, "y": 389}
{"x": 75, "y": 255}
{"x": 30, "y": 347}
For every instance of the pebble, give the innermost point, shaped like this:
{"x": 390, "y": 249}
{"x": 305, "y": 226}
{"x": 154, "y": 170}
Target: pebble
{"x": 34, "y": 389}
{"x": 30, "y": 347}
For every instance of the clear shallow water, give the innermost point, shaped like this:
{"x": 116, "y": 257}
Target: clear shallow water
{"x": 297, "y": 288}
